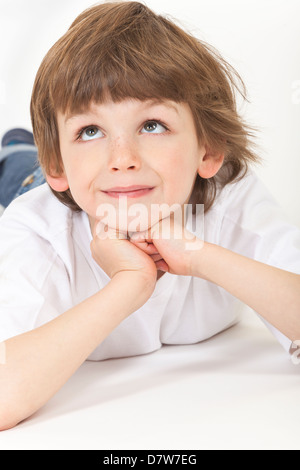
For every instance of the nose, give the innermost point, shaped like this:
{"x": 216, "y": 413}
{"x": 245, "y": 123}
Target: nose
{"x": 124, "y": 156}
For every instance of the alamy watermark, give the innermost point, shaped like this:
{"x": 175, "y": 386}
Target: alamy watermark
{"x": 163, "y": 221}
{"x": 295, "y": 352}
{"x": 296, "y": 92}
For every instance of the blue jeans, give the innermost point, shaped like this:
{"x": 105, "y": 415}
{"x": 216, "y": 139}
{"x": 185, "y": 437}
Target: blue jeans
{"x": 19, "y": 171}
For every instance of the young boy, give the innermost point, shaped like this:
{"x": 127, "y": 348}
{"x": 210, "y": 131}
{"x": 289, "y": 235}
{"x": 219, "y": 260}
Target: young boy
{"x": 127, "y": 108}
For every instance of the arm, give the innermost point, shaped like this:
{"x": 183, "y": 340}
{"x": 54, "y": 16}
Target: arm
{"x": 271, "y": 292}
{"x": 39, "y": 362}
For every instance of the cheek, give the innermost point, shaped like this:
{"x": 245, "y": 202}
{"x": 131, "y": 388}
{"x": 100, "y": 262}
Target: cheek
{"x": 80, "y": 170}
{"x": 180, "y": 173}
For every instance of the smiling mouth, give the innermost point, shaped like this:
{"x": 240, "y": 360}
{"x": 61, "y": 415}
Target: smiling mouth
{"x": 133, "y": 193}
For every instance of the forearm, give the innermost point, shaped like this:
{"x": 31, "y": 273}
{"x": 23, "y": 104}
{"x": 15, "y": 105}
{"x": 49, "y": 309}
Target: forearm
{"x": 39, "y": 362}
{"x": 271, "y": 292}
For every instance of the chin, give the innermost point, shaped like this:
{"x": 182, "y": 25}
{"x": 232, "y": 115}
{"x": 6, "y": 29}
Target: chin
{"x": 134, "y": 225}
{"x": 137, "y": 218}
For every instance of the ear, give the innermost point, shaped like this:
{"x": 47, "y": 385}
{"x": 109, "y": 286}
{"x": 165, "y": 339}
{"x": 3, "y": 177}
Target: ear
{"x": 58, "y": 182}
{"x": 210, "y": 164}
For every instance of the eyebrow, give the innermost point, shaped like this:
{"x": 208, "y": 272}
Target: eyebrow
{"x": 157, "y": 102}
{"x": 148, "y": 104}
{"x": 70, "y": 117}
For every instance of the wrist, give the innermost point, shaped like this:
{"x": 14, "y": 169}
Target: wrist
{"x": 133, "y": 288}
{"x": 201, "y": 261}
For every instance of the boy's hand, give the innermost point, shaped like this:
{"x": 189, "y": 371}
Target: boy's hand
{"x": 114, "y": 253}
{"x": 171, "y": 246}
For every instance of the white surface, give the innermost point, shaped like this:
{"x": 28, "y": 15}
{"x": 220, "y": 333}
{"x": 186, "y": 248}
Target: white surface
{"x": 238, "y": 390}
{"x": 261, "y": 38}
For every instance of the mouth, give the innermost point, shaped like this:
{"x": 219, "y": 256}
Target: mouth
{"x": 132, "y": 192}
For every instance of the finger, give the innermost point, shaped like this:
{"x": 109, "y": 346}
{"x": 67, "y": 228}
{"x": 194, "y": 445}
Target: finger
{"x": 156, "y": 257}
{"x": 145, "y": 235}
{"x": 142, "y": 244}
{"x": 148, "y": 248}
{"x": 151, "y": 249}
{"x": 161, "y": 265}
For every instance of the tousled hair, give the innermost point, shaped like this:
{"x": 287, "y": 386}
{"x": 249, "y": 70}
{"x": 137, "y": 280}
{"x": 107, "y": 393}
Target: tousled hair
{"x": 124, "y": 50}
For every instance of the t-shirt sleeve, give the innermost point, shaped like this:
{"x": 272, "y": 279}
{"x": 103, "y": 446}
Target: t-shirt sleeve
{"x": 254, "y": 225}
{"x": 31, "y": 274}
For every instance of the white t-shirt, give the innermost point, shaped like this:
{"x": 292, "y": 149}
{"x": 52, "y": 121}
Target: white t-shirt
{"x": 46, "y": 268}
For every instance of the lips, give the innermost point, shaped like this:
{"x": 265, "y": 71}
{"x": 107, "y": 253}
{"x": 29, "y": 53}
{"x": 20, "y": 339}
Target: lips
{"x": 129, "y": 191}
{"x": 123, "y": 189}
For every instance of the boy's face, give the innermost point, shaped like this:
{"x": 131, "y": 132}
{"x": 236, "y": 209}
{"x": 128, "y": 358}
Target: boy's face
{"x": 131, "y": 143}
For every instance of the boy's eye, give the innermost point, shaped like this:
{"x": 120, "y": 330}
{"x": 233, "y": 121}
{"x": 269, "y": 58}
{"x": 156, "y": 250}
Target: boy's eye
{"x": 153, "y": 127}
{"x": 93, "y": 132}
{"x": 90, "y": 133}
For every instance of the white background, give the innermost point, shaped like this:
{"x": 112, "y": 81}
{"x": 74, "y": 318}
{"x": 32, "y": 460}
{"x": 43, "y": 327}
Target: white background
{"x": 260, "y": 38}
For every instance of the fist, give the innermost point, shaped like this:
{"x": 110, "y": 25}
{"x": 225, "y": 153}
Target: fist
{"x": 114, "y": 253}
{"x": 171, "y": 246}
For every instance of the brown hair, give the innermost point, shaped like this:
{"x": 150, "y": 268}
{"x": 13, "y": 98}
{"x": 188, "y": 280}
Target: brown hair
{"x": 125, "y": 50}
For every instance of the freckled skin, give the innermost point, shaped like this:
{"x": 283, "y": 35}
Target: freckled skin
{"x": 121, "y": 151}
